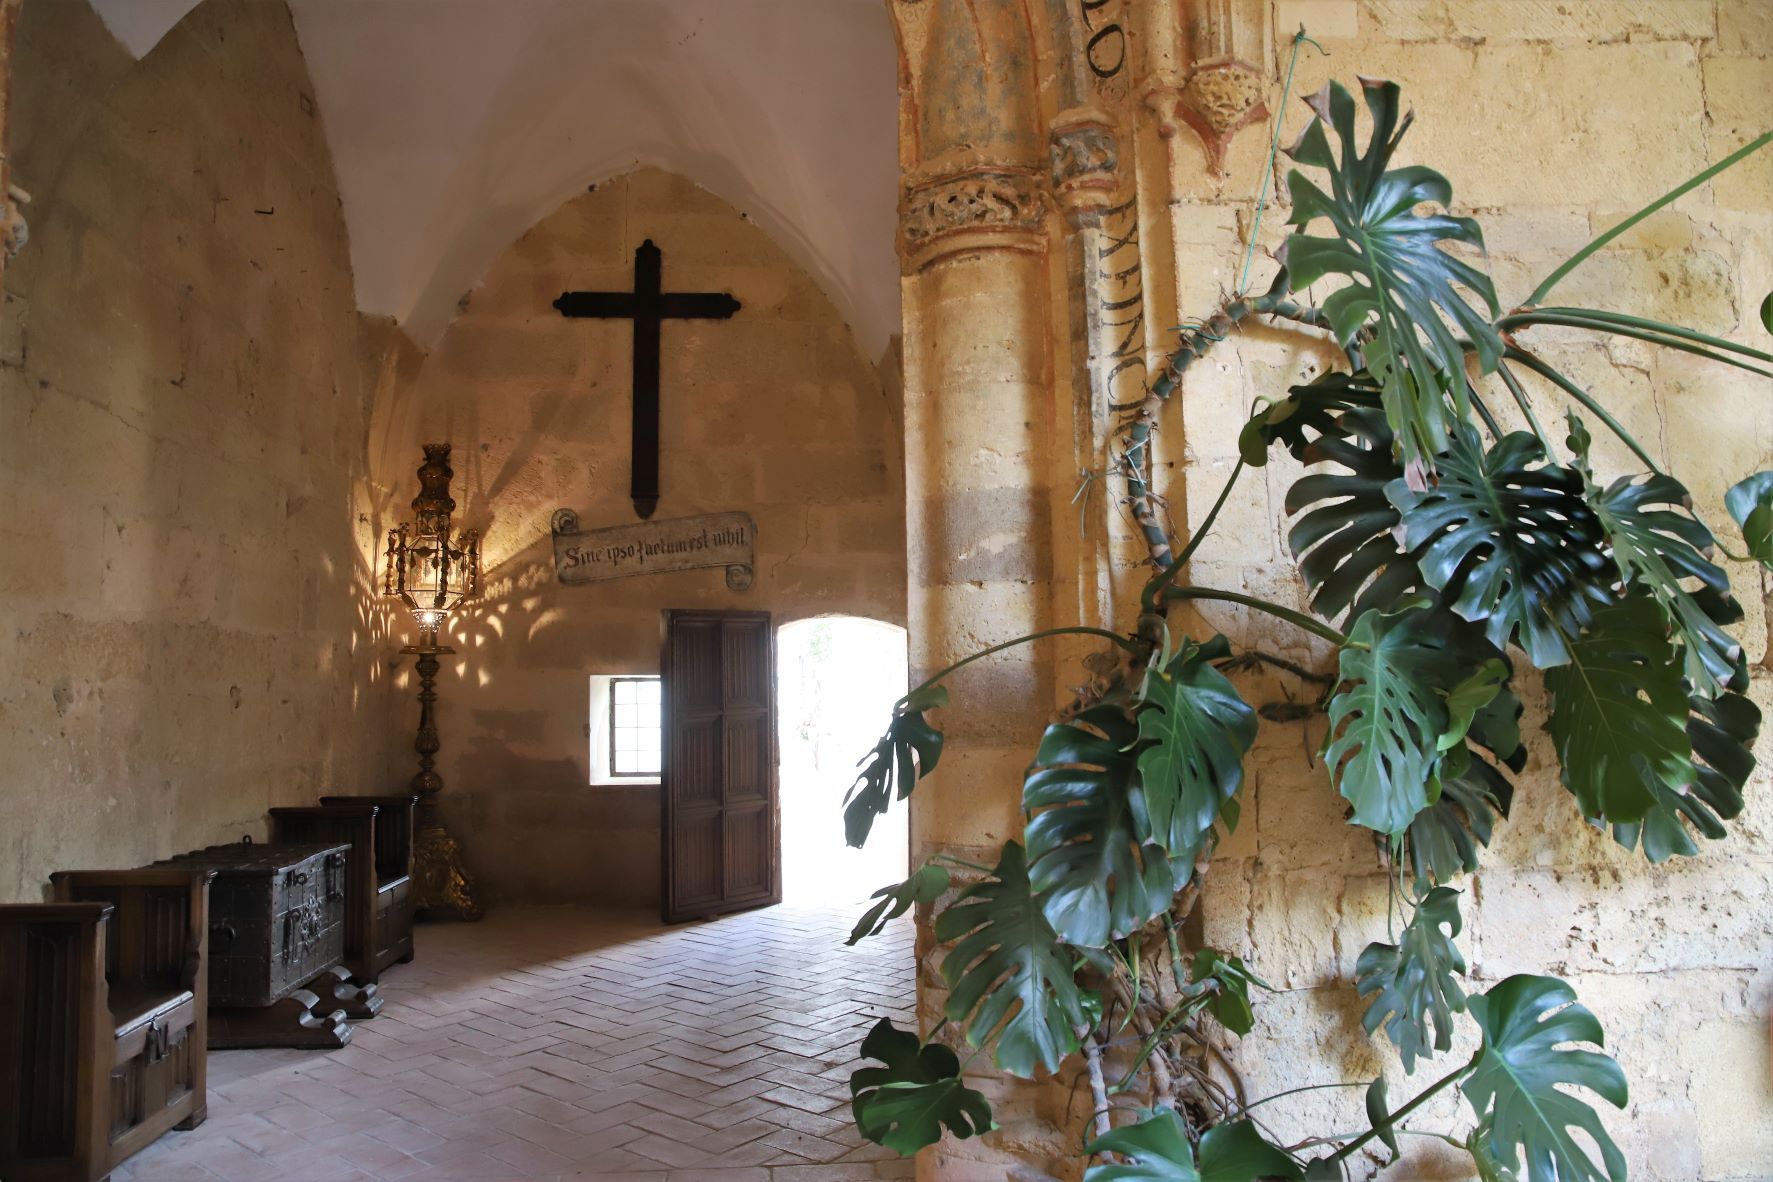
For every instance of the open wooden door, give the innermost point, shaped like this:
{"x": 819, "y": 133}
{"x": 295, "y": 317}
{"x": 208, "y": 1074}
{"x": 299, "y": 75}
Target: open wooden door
{"x": 722, "y": 829}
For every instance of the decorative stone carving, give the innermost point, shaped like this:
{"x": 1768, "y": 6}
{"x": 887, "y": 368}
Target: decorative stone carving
{"x": 1084, "y": 159}
{"x": 986, "y": 207}
{"x": 1218, "y": 98}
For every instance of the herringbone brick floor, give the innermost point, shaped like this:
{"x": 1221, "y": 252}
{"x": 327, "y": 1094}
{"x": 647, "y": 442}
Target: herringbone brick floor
{"x": 559, "y": 1043}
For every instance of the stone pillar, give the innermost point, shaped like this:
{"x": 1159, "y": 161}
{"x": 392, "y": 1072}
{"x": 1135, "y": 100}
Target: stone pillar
{"x": 977, "y": 390}
{"x": 979, "y": 378}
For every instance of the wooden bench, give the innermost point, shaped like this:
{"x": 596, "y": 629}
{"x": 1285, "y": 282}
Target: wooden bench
{"x": 378, "y": 887}
{"x": 102, "y": 1020}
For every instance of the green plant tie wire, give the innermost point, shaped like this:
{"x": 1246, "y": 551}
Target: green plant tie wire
{"x": 1299, "y": 39}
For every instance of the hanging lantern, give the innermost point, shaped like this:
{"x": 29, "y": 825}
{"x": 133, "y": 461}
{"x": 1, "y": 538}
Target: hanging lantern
{"x": 426, "y": 568}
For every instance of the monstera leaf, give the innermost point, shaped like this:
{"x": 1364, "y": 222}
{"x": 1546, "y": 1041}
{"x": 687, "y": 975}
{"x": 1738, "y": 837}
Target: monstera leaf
{"x": 1346, "y": 542}
{"x": 1519, "y": 1086}
{"x": 1089, "y": 854}
{"x": 1006, "y": 956}
{"x": 1413, "y": 980}
{"x": 1157, "y": 1150}
{"x": 1197, "y": 729}
{"x": 925, "y": 886}
{"x": 1722, "y": 731}
{"x": 1400, "y": 280}
{"x": 1619, "y": 714}
{"x": 1229, "y": 1000}
{"x": 905, "y": 754}
{"x": 1750, "y": 503}
{"x": 1660, "y": 545}
{"x": 1442, "y": 841}
{"x": 1389, "y": 711}
{"x": 1511, "y": 542}
{"x": 1314, "y": 406}
{"x": 905, "y": 1104}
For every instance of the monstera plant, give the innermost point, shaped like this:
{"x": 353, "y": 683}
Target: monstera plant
{"x": 1441, "y": 552}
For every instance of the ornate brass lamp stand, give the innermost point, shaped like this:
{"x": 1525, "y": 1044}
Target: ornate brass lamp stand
{"x": 433, "y": 573}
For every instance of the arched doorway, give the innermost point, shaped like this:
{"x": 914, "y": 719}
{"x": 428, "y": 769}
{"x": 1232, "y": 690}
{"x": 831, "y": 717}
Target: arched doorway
{"x": 837, "y": 678}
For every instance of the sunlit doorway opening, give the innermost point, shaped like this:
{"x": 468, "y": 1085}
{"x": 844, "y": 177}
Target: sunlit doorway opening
{"x": 837, "y": 678}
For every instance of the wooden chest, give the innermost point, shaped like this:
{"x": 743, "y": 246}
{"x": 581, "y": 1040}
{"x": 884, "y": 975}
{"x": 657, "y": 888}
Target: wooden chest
{"x": 276, "y": 917}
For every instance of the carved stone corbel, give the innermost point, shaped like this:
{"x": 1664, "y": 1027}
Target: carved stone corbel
{"x": 1085, "y": 159}
{"x": 1218, "y": 98}
{"x": 1221, "y": 89}
{"x": 976, "y": 206}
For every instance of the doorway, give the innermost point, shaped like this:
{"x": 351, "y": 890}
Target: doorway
{"x": 837, "y": 678}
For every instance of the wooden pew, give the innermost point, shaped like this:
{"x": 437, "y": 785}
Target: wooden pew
{"x": 393, "y": 861}
{"x": 378, "y": 885}
{"x": 102, "y": 1020}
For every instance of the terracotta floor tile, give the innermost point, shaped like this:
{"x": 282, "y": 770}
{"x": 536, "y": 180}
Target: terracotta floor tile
{"x": 560, "y": 1043}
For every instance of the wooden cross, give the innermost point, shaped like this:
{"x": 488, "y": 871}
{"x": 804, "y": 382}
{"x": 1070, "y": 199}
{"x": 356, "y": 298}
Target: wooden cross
{"x": 648, "y": 307}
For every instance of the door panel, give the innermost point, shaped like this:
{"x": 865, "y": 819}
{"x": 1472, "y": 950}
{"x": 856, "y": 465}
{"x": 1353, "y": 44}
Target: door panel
{"x": 721, "y": 821}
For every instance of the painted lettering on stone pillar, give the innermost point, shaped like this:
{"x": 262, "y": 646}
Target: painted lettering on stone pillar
{"x": 1117, "y": 352}
{"x": 1105, "y": 47}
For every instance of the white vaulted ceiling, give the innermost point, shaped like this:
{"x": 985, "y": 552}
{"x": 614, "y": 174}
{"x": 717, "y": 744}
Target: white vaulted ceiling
{"x": 456, "y": 124}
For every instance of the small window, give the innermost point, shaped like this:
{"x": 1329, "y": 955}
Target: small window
{"x": 634, "y": 726}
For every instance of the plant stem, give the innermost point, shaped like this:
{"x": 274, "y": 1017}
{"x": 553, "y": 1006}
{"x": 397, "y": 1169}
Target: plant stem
{"x": 1577, "y": 259}
{"x": 1098, "y": 1086}
{"x": 1483, "y": 411}
{"x": 1078, "y": 630}
{"x": 1141, "y": 417}
{"x": 1454, "y": 1076}
{"x": 1656, "y": 337}
{"x": 1251, "y": 656}
{"x": 1520, "y": 399}
{"x": 1603, "y": 320}
{"x": 1154, "y": 588}
{"x": 1296, "y": 1091}
{"x": 1297, "y": 619}
{"x": 1580, "y": 395}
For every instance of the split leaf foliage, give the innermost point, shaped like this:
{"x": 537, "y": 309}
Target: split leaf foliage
{"x": 1400, "y": 280}
{"x": 1522, "y": 1081}
{"x": 1750, "y": 503}
{"x": 1389, "y": 711}
{"x": 1008, "y": 976}
{"x": 1157, "y": 1149}
{"x": 906, "y": 1104}
{"x": 1414, "y": 983}
{"x": 1510, "y": 540}
{"x": 905, "y": 754}
{"x": 1345, "y": 536}
{"x": 926, "y": 885}
{"x": 1661, "y": 547}
{"x": 1619, "y": 713}
{"x": 1090, "y": 858}
{"x": 1197, "y": 730}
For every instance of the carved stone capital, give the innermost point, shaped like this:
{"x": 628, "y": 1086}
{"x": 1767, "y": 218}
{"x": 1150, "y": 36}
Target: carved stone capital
{"x": 1218, "y": 98}
{"x": 1085, "y": 160}
{"x": 977, "y": 207}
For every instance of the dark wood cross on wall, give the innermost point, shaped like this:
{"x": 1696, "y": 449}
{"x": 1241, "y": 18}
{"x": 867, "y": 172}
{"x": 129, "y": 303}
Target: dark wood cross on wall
{"x": 648, "y": 306}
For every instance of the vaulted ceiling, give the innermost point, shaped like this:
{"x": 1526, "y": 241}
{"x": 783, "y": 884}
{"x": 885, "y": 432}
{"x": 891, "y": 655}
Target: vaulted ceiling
{"x": 456, "y": 124}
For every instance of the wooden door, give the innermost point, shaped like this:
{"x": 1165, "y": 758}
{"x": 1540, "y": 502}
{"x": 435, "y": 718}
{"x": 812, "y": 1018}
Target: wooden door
{"x": 721, "y": 825}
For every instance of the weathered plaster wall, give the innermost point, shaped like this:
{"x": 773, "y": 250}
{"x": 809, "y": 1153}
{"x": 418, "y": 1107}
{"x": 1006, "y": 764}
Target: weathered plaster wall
{"x": 775, "y": 412}
{"x": 182, "y": 418}
{"x": 1553, "y": 121}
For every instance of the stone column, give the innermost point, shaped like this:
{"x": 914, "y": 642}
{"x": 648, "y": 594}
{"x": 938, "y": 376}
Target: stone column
{"x": 979, "y": 378}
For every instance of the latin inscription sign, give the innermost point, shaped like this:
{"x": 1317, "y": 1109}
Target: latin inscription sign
{"x": 652, "y": 547}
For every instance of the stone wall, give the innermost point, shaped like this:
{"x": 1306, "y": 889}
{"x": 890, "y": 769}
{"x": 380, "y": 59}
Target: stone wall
{"x": 774, "y": 412}
{"x": 1553, "y": 122}
{"x": 181, "y": 427}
